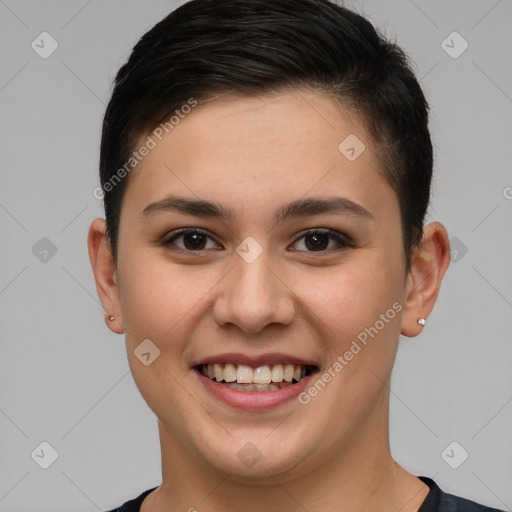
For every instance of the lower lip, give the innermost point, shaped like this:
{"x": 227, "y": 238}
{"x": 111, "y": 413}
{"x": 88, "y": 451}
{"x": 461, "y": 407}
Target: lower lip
{"x": 253, "y": 400}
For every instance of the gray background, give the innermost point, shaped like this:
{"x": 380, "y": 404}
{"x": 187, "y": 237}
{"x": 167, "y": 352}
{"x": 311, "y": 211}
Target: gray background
{"x": 64, "y": 376}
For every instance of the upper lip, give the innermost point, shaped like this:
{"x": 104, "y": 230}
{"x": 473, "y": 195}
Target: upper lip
{"x": 255, "y": 360}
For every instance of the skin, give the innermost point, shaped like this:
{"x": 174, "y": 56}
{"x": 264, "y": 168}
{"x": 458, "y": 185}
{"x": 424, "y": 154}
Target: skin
{"x": 253, "y": 155}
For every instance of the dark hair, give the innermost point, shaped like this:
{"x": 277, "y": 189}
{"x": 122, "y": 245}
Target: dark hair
{"x": 251, "y": 47}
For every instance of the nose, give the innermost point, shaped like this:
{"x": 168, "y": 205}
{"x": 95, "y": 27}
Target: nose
{"x": 253, "y": 296}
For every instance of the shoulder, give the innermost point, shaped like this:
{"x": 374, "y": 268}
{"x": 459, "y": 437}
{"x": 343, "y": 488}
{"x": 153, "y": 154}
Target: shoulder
{"x": 133, "y": 505}
{"x": 439, "y": 501}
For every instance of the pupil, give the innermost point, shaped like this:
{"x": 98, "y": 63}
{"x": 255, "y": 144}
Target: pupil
{"x": 317, "y": 241}
{"x": 194, "y": 241}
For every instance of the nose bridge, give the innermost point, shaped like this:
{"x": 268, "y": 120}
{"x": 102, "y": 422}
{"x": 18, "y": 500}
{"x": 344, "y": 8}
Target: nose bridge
{"x": 252, "y": 296}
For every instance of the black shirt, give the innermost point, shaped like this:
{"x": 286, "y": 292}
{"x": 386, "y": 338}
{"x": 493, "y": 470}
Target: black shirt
{"x": 435, "y": 501}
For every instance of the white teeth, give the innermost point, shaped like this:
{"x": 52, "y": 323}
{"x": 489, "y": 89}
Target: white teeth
{"x": 266, "y": 377}
{"x": 262, "y": 375}
{"x": 277, "y": 373}
{"x": 229, "y": 373}
{"x": 244, "y": 374}
{"x": 219, "y": 374}
{"x": 288, "y": 373}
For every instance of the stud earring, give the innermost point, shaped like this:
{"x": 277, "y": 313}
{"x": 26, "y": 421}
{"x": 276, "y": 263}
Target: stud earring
{"x": 111, "y": 318}
{"x": 421, "y": 321}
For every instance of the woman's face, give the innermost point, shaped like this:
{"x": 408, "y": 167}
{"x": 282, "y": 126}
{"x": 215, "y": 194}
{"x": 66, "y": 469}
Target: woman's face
{"x": 293, "y": 256}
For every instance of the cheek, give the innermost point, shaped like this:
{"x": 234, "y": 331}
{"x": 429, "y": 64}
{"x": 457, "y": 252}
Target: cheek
{"x": 349, "y": 299}
{"x": 163, "y": 301}
{"x": 369, "y": 286}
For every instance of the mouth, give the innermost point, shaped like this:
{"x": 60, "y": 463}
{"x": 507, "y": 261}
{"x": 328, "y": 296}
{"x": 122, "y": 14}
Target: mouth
{"x": 256, "y": 379}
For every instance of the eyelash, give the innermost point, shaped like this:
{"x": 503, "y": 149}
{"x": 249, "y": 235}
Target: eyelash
{"x": 342, "y": 240}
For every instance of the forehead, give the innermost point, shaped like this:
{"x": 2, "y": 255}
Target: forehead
{"x": 260, "y": 149}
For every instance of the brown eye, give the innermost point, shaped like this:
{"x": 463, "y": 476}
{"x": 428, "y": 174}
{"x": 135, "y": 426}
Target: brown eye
{"x": 194, "y": 241}
{"x": 190, "y": 240}
{"x": 320, "y": 241}
{"x": 316, "y": 242}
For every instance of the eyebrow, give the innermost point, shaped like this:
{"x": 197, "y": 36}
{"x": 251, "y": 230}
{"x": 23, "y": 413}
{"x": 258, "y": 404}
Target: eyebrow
{"x": 296, "y": 209}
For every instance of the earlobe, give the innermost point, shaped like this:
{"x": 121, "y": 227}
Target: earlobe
{"x": 428, "y": 266}
{"x": 105, "y": 274}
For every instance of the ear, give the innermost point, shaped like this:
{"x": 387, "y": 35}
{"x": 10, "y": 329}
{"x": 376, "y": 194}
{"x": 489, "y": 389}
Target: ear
{"x": 428, "y": 265}
{"x": 105, "y": 274}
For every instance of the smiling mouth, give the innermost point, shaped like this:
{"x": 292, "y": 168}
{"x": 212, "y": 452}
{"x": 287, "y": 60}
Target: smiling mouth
{"x": 253, "y": 379}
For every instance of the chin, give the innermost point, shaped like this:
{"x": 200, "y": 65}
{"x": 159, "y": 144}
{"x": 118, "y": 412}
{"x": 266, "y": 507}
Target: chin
{"x": 255, "y": 455}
